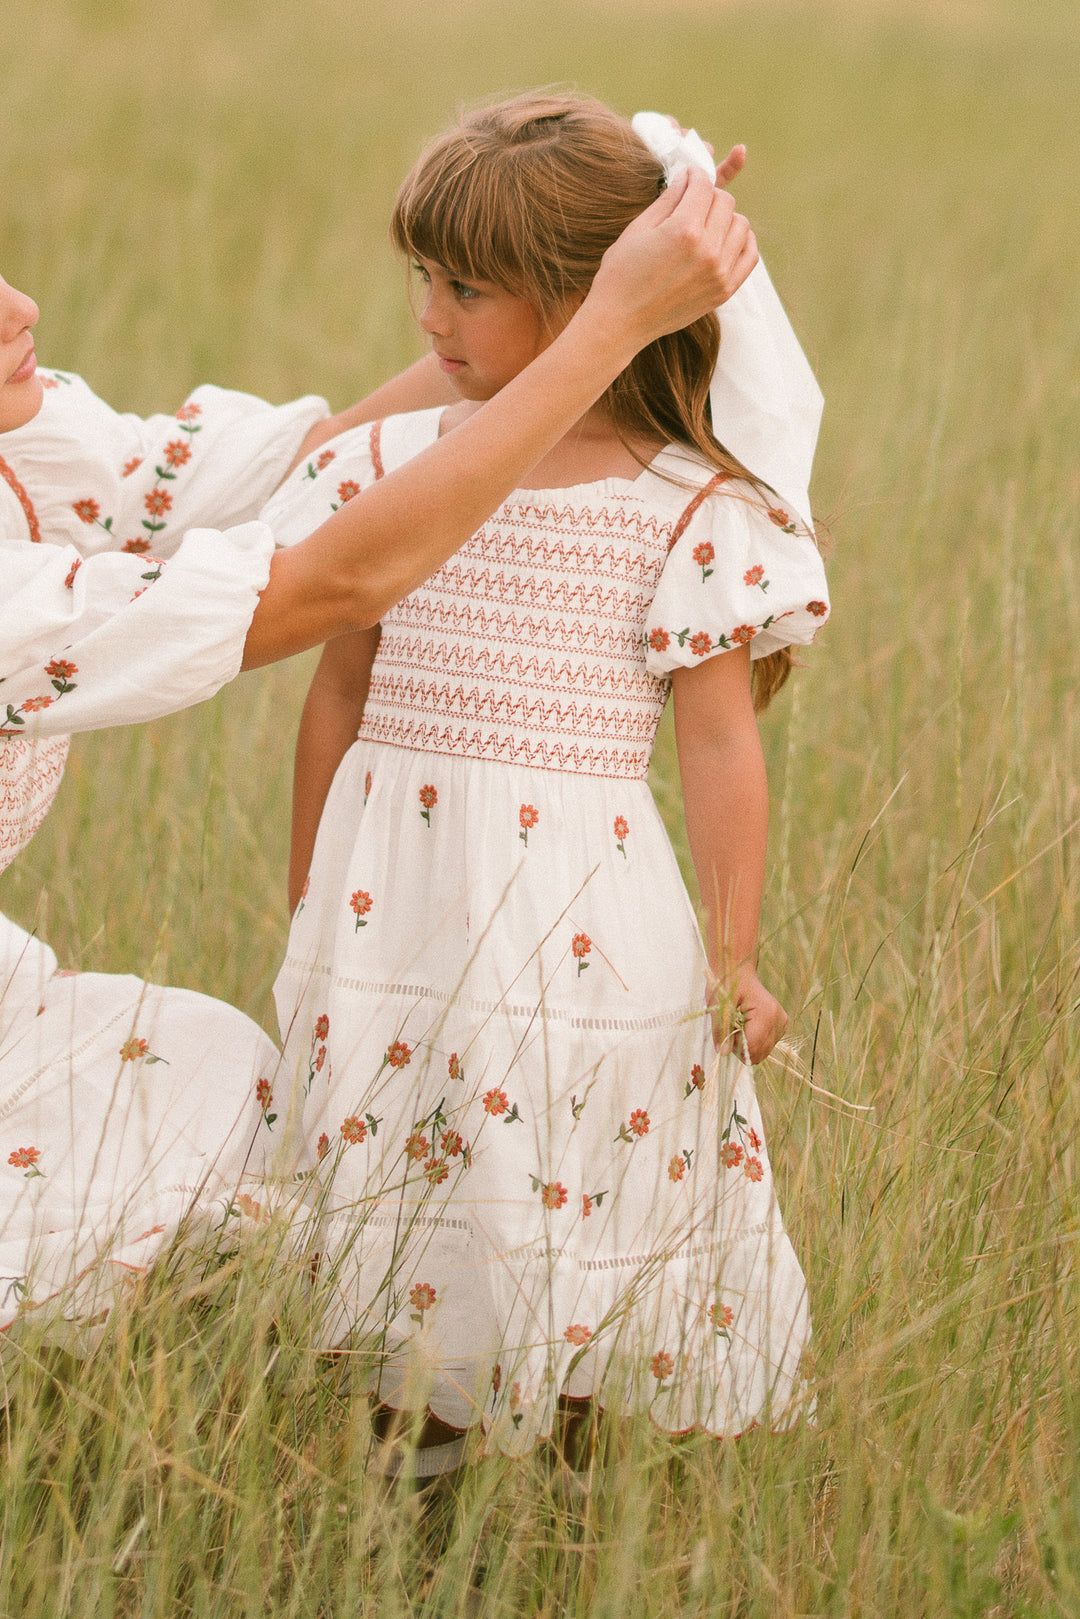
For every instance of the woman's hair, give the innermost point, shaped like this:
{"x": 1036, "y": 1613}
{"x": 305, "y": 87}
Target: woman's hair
{"x": 529, "y": 194}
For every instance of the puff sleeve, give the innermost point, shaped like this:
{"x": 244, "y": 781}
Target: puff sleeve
{"x": 103, "y": 480}
{"x": 740, "y": 572}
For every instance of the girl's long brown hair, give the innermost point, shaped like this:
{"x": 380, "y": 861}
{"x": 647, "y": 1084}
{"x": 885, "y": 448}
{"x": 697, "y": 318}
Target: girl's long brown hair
{"x": 529, "y": 194}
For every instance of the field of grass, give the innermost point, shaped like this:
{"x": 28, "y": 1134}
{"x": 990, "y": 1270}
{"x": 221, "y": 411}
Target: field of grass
{"x": 199, "y": 192}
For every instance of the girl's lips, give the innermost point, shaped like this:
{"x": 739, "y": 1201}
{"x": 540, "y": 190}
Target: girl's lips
{"x": 448, "y": 365}
{"x": 26, "y": 369}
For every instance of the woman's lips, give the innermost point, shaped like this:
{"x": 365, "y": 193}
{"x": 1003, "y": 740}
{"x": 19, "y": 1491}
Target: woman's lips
{"x": 26, "y": 369}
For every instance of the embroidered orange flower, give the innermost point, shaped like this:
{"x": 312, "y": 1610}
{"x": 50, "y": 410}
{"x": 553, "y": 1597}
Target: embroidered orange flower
{"x": 577, "y": 1334}
{"x": 553, "y": 1195}
{"x": 428, "y": 799}
{"x": 188, "y": 413}
{"x": 157, "y": 501}
{"x": 436, "y": 1171}
{"x": 754, "y": 575}
{"x": 581, "y": 946}
{"x": 251, "y": 1207}
{"x": 453, "y": 1066}
{"x": 367, "y": 786}
{"x": 779, "y": 516}
{"x": 754, "y": 1140}
{"x": 347, "y": 490}
{"x": 621, "y": 827}
{"x": 676, "y": 1169}
{"x": 60, "y": 670}
{"x": 422, "y": 1297}
{"x": 659, "y": 640}
{"x": 703, "y": 554}
{"x": 322, "y": 1026}
{"x": 322, "y": 1146}
{"x": 325, "y": 459}
{"x": 133, "y": 1049}
{"x": 263, "y": 1094}
{"x": 136, "y": 548}
{"x": 818, "y": 609}
{"x": 399, "y": 1055}
{"x": 87, "y": 511}
{"x": 33, "y": 704}
{"x": 639, "y": 1122}
{"x": 586, "y": 1205}
{"x": 353, "y": 1129}
{"x": 361, "y": 903}
{"x": 721, "y": 1316}
{"x": 69, "y": 582}
{"x": 320, "y": 1058}
{"x": 700, "y": 643}
{"x": 731, "y": 1155}
{"x": 495, "y": 1102}
{"x": 177, "y": 452}
{"x": 451, "y": 1143}
{"x": 132, "y": 466}
{"x": 697, "y": 1077}
{"x": 753, "y": 1169}
{"x": 663, "y": 1365}
{"x": 24, "y": 1157}
{"x": 528, "y": 816}
{"x": 417, "y": 1146}
{"x": 743, "y": 633}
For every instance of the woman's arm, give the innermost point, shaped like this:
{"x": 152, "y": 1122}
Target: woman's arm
{"x": 416, "y": 388}
{"x": 678, "y": 259}
{"x": 726, "y": 804}
{"x": 328, "y": 727}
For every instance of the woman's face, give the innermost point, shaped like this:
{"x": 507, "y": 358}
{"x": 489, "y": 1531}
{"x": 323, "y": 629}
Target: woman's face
{"x": 20, "y": 388}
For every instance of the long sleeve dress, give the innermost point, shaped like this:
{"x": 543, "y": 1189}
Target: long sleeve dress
{"x": 124, "y": 1106}
{"x": 535, "y": 1177}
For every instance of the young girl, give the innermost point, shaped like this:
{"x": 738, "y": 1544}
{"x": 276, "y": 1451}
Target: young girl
{"x": 539, "y": 1181}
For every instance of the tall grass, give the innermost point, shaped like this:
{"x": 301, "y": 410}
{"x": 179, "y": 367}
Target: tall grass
{"x": 199, "y": 192}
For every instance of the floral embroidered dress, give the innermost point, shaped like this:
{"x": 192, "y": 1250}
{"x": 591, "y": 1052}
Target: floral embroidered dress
{"x": 123, "y": 1105}
{"x": 536, "y": 1177}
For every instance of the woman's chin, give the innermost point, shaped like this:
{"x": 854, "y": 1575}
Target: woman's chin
{"x": 20, "y": 403}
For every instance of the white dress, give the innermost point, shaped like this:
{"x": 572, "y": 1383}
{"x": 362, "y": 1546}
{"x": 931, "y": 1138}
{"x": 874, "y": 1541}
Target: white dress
{"x": 124, "y": 1107}
{"x": 535, "y": 1177}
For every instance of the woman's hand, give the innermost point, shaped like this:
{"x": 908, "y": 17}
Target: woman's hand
{"x": 762, "y": 1019}
{"x": 684, "y": 255}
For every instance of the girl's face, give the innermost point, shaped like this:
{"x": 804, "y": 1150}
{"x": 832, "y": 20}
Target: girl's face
{"x": 482, "y": 334}
{"x": 20, "y": 388}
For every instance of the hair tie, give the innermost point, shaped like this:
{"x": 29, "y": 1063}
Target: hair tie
{"x": 764, "y": 398}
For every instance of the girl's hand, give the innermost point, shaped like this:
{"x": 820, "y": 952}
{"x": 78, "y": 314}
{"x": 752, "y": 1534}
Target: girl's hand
{"x": 680, "y": 258}
{"x": 763, "y": 1019}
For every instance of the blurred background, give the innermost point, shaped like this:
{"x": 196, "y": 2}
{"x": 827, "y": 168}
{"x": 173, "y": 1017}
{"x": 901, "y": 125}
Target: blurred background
{"x": 199, "y": 192}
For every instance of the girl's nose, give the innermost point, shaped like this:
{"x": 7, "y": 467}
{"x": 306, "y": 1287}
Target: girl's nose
{"x": 434, "y": 316}
{"x": 17, "y": 312}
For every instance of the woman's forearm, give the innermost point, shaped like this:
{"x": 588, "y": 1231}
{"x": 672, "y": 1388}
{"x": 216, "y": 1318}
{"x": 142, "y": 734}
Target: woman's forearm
{"x": 416, "y": 388}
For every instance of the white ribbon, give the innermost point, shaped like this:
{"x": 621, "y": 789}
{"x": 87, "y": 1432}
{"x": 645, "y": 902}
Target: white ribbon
{"x": 766, "y": 404}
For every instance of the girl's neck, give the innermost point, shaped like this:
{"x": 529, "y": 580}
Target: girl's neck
{"x": 592, "y": 450}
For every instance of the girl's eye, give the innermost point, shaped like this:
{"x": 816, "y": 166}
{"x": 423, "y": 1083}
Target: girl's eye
{"x": 464, "y": 292}
{"x": 422, "y": 273}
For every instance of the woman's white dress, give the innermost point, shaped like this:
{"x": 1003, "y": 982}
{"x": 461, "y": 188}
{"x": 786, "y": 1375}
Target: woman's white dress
{"x": 536, "y": 1179}
{"x": 125, "y": 1108}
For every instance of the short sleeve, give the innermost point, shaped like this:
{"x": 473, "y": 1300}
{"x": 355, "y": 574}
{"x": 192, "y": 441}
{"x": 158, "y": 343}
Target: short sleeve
{"x": 342, "y": 468}
{"x": 740, "y": 572}
{"x": 105, "y": 480}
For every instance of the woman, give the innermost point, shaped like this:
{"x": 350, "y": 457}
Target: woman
{"x": 124, "y": 1107}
